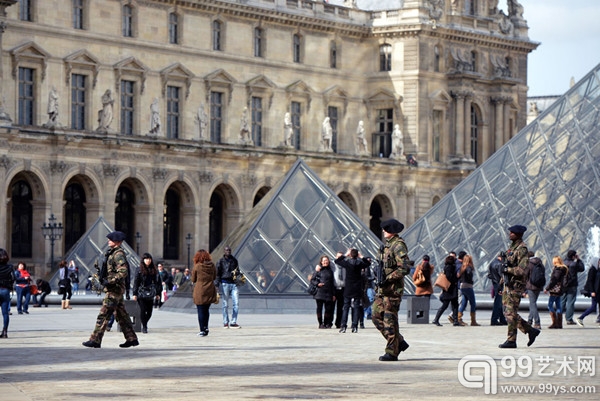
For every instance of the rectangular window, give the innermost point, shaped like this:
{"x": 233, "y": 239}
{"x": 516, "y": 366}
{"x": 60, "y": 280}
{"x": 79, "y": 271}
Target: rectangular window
{"x": 78, "y": 95}
{"x": 127, "y": 21}
{"x": 78, "y": 14}
{"x": 173, "y": 28}
{"x": 297, "y": 48}
{"x": 296, "y": 123}
{"x": 258, "y": 42}
{"x": 437, "y": 134}
{"x": 333, "y": 55}
{"x": 26, "y": 10}
{"x": 173, "y": 116}
{"x": 257, "y": 117}
{"x": 216, "y": 35}
{"x": 26, "y": 96}
{"x": 216, "y": 116}
{"x": 332, "y": 113}
{"x": 382, "y": 139}
{"x": 385, "y": 57}
{"x": 127, "y": 107}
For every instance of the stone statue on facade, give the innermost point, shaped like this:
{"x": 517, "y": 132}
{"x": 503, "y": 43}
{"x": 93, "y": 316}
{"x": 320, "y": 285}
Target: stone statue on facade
{"x": 326, "y": 135}
{"x": 361, "y": 141}
{"x": 245, "y": 138}
{"x": 105, "y": 115}
{"x": 202, "y": 120}
{"x": 288, "y": 130}
{"x": 5, "y": 120}
{"x": 397, "y": 143}
{"x": 155, "y": 124}
{"x": 52, "y": 109}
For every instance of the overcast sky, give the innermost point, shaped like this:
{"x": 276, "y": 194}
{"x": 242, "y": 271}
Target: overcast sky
{"x": 568, "y": 32}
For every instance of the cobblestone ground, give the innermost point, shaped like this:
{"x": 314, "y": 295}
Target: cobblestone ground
{"x": 281, "y": 357}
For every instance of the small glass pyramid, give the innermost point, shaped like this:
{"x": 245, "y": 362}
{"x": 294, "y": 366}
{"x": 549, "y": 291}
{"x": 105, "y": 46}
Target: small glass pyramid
{"x": 90, "y": 249}
{"x": 281, "y": 241}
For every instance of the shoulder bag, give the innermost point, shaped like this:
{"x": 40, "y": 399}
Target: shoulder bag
{"x": 442, "y": 281}
{"x": 420, "y": 278}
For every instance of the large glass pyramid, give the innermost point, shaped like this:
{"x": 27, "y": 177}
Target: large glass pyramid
{"x": 547, "y": 178}
{"x": 90, "y": 249}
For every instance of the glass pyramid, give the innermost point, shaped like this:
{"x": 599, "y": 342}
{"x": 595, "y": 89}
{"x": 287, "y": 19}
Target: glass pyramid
{"x": 89, "y": 249}
{"x": 547, "y": 178}
{"x": 281, "y": 241}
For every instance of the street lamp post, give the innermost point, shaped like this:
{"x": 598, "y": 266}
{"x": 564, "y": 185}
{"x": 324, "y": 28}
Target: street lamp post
{"x": 138, "y": 239}
{"x": 188, "y": 240}
{"x": 52, "y": 231}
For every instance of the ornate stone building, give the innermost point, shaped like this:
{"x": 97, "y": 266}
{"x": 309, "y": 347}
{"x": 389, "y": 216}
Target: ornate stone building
{"x": 172, "y": 118}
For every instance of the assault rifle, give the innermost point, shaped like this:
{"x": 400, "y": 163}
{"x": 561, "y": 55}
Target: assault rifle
{"x": 379, "y": 271}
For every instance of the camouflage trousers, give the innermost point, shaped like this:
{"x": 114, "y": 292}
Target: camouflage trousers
{"x": 113, "y": 303}
{"x": 385, "y": 318}
{"x": 511, "y": 300}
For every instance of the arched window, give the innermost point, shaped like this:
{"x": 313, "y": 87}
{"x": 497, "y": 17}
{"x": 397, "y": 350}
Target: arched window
{"x": 173, "y": 28}
{"x": 217, "y": 32}
{"x": 436, "y": 58}
{"x": 215, "y": 221}
{"x": 22, "y": 215}
{"x": 333, "y": 54}
{"x": 171, "y": 225}
{"x": 75, "y": 215}
{"x": 124, "y": 213}
{"x": 376, "y": 213}
{"x": 297, "y": 48}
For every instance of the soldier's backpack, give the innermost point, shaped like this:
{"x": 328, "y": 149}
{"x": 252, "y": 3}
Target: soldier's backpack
{"x": 537, "y": 275}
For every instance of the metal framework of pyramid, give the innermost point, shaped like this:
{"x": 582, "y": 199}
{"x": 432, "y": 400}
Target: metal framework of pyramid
{"x": 547, "y": 178}
{"x": 90, "y": 249}
{"x": 291, "y": 228}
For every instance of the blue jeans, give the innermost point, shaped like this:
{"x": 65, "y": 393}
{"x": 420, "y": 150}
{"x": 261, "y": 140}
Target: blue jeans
{"x": 203, "y": 315}
{"x": 5, "y": 301}
{"x": 568, "y": 302}
{"x": 553, "y": 301}
{"x": 23, "y": 292}
{"x": 467, "y": 295}
{"x": 534, "y": 315}
{"x": 230, "y": 290}
{"x": 591, "y": 309}
{"x": 497, "y": 313}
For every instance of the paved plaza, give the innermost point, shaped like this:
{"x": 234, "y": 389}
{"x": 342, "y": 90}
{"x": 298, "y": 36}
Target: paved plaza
{"x": 285, "y": 357}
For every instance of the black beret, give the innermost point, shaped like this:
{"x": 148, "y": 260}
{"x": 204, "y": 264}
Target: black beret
{"x": 392, "y": 226}
{"x": 116, "y": 236}
{"x": 517, "y": 229}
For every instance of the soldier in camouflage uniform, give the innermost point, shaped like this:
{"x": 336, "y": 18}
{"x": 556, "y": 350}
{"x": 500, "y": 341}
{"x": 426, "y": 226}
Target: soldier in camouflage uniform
{"x": 389, "y": 293}
{"x": 113, "y": 279}
{"x": 515, "y": 274}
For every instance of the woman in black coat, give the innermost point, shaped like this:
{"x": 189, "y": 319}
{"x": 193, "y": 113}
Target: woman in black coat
{"x": 146, "y": 288}
{"x": 451, "y": 295}
{"x": 592, "y": 287}
{"x": 323, "y": 278}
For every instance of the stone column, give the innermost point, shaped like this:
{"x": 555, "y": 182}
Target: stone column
{"x": 460, "y": 125}
{"x": 498, "y": 131}
{"x": 467, "y": 141}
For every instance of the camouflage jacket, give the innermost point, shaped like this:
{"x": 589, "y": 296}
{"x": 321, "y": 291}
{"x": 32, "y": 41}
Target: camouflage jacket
{"x": 517, "y": 260}
{"x": 395, "y": 267}
{"x": 117, "y": 269}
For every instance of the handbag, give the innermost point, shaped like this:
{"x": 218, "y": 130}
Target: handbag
{"x": 147, "y": 292}
{"x": 442, "y": 281}
{"x": 217, "y": 298}
{"x": 238, "y": 278}
{"x": 420, "y": 279}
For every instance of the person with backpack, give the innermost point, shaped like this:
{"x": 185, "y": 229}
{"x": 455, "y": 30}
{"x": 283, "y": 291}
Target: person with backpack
{"x": 556, "y": 286}
{"x": 7, "y": 280}
{"x": 535, "y": 284}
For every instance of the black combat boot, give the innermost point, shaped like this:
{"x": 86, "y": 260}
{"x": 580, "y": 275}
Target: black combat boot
{"x": 91, "y": 344}
{"x": 508, "y": 344}
{"x": 533, "y": 333}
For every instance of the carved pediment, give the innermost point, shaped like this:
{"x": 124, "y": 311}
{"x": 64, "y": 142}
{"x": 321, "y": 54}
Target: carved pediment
{"x": 384, "y": 98}
{"x": 30, "y": 52}
{"x": 81, "y": 59}
{"x": 260, "y": 85}
{"x": 300, "y": 89}
{"x": 176, "y": 72}
{"x": 336, "y": 94}
{"x": 130, "y": 66}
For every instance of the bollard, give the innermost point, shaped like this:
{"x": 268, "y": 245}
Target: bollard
{"x": 133, "y": 310}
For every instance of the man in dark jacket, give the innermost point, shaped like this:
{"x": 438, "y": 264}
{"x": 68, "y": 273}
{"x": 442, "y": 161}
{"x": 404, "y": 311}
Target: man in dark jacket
{"x": 356, "y": 270}
{"x": 533, "y": 288}
{"x": 495, "y": 275}
{"x": 568, "y": 298}
{"x": 227, "y": 266}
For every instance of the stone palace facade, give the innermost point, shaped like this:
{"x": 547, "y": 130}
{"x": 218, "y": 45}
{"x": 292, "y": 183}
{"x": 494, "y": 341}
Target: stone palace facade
{"x": 171, "y": 119}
